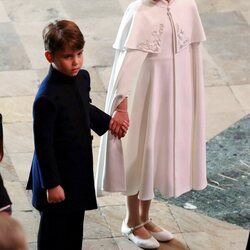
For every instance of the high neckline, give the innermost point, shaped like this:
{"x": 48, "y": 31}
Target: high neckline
{"x": 167, "y": 2}
{"x": 60, "y": 77}
{"x": 163, "y": 3}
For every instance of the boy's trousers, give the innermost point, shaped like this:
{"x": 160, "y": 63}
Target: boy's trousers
{"x": 60, "y": 231}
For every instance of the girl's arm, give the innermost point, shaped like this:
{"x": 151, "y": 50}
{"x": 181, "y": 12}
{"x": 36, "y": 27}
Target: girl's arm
{"x": 127, "y": 75}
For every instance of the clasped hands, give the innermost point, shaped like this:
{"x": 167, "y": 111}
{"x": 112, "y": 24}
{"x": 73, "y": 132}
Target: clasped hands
{"x": 119, "y": 123}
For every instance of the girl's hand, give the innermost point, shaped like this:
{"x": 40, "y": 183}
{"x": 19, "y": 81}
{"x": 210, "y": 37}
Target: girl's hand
{"x": 55, "y": 195}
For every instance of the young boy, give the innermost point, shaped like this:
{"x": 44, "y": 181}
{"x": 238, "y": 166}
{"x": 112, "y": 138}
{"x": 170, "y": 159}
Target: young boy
{"x": 61, "y": 175}
{"x": 5, "y": 202}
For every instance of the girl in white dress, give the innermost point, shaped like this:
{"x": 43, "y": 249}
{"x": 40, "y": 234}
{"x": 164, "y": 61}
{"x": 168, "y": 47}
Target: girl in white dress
{"x": 157, "y": 85}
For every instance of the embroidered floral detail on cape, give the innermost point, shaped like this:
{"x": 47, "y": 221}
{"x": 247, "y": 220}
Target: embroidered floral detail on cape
{"x": 154, "y": 44}
{"x": 182, "y": 39}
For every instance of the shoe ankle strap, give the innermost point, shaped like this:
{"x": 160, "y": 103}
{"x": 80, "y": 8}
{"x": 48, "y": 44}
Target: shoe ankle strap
{"x": 141, "y": 225}
{"x": 147, "y": 221}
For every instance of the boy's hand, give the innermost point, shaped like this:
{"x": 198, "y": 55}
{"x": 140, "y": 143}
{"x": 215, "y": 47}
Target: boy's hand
{"x": 119, "y": 131}
{"x": 123, "y": 130}
{"x": 119, "y": 124}
{"x": 55, "y": 195}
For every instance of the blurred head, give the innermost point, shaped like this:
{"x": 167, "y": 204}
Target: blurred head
{"x": 12, "y": 236}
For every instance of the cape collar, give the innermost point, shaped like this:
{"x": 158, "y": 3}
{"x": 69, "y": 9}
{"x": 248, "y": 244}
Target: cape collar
{"x": 146, "y": 31}
{"x": 163, "y": 3}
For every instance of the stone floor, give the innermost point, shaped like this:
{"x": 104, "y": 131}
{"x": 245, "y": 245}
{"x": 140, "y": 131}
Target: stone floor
{"x": 22, "y": 66}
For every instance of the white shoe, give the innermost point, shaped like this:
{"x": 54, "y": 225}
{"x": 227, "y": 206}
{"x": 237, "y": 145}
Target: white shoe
{"x": 150, "y": 243}
{"x": 163, "y": 235}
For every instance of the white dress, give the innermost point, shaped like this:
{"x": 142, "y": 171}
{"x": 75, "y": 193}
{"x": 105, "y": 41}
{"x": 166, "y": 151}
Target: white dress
{"x": 159, "y": 67}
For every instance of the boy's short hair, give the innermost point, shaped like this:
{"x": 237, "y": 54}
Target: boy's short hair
{"x": 61, "y": 33}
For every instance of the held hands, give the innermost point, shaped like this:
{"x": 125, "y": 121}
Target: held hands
{"x": 55, "y": 195}
{"x": 119, "y": 123}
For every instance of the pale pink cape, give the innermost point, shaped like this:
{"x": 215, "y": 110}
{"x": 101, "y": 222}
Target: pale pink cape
{"x": 158, "y": 66}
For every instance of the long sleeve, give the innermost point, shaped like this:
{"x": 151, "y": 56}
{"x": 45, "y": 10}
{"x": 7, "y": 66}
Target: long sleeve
{"x": 130, "y": 67}
{"x": 110, "y": 172}
{"x": 99, "y": 120}
{"x": 44, "y": 120}
{"x": 126, "y": 71}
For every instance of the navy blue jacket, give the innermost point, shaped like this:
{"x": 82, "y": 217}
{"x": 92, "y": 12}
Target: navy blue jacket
{"x": 63, "y": 118}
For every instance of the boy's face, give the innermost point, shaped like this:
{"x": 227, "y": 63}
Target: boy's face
{"x": 67, "y": 61}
